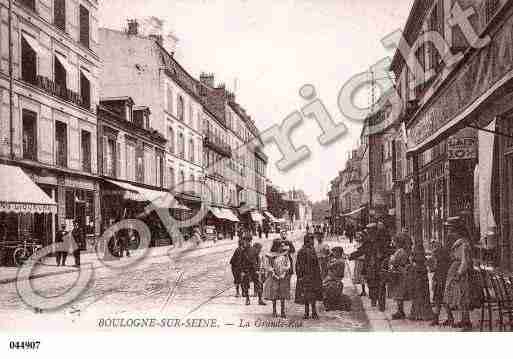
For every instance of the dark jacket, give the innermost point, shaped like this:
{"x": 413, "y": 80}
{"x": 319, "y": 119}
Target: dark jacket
{"x": 309, "y": 283}
{"x": 249, "y": 260}
{"x": 236, "y": 260}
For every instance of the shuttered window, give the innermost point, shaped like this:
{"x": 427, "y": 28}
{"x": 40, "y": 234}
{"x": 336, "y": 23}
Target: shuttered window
{"x": 59, "y": 14}
{"x": 84, "y": 26}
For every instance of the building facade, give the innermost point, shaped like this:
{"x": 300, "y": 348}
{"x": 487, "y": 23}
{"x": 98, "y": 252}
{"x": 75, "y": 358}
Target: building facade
{"x": 56, "y": 65}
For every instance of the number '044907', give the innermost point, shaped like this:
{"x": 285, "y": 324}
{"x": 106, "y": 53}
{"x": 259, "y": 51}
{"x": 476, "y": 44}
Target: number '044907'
{"x": 24, "y": 345}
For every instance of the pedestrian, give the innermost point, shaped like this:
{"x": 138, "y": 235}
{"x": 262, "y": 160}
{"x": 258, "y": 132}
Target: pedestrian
{"x": 440, "y": 263}
{"x": 196, "y": 236}
{"x": 375, "y": 254}
{"x": 267, "y": 229}
{"x": 400, "y": 267}
{"x": 333, "y": 286}
{"x": 277, "y": 283}
{"x": 260, "y": 231}
{"x": 60, "y": 254}
{"x": 77, "y": 236}
{"x": 309, "y": 282}
{"x": 236, "y": 263}
{"x": 249, "y": 268}
{"x": 359, "y": 265}
{"x": 460, "y": 287}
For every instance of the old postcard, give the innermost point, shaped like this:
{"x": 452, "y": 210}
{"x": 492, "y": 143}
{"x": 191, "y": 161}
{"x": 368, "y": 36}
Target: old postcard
{"x": 234, "y": 166}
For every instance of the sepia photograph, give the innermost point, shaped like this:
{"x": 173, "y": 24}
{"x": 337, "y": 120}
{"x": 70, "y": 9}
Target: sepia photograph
{"x": 206, "y": 167}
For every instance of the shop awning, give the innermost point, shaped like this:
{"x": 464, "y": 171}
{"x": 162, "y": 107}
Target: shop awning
{"x": 224, "y": 214}
{"x": 159, "y": 199}
{"x": 256, "y": 216}
{"x": 354, "y": 213}
{"x": 229, "y": 215}
{"x": 18, "y": 193}
{"x": 270, "y": 216}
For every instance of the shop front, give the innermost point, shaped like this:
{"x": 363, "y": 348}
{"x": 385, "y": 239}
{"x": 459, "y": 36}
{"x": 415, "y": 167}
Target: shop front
{"x": 223, "y": 220}
{"x": 477, "y": 94}
{"x": 26, "y": 215}
{"x": 122, "y": 200}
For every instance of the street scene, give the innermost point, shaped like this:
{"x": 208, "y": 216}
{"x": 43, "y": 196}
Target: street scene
{"x": 157, "y": 174}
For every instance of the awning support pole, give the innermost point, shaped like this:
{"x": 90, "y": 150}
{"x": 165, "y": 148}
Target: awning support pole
{"x": 421, "y": 305}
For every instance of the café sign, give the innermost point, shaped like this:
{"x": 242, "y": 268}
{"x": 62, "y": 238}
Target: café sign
{"x": 484, "y": 69}
{"x": 459, "y": 148}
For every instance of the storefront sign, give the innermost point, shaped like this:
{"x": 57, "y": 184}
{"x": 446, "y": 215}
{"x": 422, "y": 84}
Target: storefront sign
{"x": 461, "y": 148}
{"x": 482, "y": 71}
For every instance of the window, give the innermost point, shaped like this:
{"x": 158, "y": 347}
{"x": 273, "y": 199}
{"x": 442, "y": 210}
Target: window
{"x": 491, "y": 9}
{"x": 181, "y": 179}
{"x": 191, "y": 115}
{"x": 111, "y": 158}
{"x": 29, "y": 135}
{"x": 148, "y": 165}
{"x": 180, "y": 109}
{"x": 172, "y": 180}
{"x": 198, "y": 125}
{"x": 191, "y": 150}
{"x": 59, "y": 14}
{"x": 85, "y": 91}
{"x": 159, "y": 173}
{"x": 60, "y": 77}
{"x": 171, "y": 139}
{"x": 86, "y": 151}
{"x": 61, "y": 144}
{"x": 28, "y": 62}
{"x": 192, "y": 184}
{"x": 169, "y": 99}
{"x": 181, "y": 146}
{"x": 31, "y": 4}
{"x": 130, "y": 162}
{"x": 84, "y": 26}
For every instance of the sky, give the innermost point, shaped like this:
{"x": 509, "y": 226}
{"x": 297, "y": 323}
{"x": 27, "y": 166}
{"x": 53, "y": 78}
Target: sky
{"x": 266, "y": 50}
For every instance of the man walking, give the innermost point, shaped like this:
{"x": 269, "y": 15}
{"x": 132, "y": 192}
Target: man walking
{"x": 249, "y": 270}
{"x": 76, "y": 233}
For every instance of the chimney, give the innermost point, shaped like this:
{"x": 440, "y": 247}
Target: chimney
{"x": 133, "y": 27}
{"x": 207, "y": 79}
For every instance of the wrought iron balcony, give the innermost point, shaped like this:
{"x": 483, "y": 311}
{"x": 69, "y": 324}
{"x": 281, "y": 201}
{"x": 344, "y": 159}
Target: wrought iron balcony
{"x": 214, "y": 143}
{"x": 54, "y": 89}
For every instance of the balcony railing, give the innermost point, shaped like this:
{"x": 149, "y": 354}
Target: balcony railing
{"x": 54, "y": 89}
{"x": 213, "y": 142}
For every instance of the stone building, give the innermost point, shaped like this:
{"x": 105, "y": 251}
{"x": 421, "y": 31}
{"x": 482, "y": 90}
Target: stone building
{"x": 56, "y": 64}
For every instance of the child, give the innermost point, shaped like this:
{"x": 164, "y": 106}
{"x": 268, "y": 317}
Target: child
{"x": 333, "y": 286}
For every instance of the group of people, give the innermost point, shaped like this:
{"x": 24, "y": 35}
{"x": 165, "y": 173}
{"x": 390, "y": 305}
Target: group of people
{"x": 385, "y": 263}
{"x": 64, "y": 236}
{"x": 319, "y": 272}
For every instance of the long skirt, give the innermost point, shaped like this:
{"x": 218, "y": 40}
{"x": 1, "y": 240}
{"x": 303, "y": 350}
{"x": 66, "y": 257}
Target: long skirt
{"x": 457, "y": 289}
{"x": 277, "y": 289}
{"x": 358, "y": 272}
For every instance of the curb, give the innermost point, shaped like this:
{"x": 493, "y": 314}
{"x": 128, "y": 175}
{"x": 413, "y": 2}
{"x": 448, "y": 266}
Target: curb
{"x": 71, "y": 270}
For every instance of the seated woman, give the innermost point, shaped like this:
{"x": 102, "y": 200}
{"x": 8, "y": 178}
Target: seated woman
{"x": 333, "y": 287}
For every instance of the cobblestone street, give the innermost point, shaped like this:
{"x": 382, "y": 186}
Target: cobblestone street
{"x": 195, "y": 283}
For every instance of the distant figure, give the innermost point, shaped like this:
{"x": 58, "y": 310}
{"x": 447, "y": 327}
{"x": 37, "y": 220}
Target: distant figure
{"x": 59, "y": 238}
{"x": 260, "y": 231}
{"x": 77, "y": 235}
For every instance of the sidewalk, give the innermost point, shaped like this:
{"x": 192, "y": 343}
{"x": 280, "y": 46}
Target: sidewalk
{"x": 48, "y": 266}
{"x": 382, "y": 321}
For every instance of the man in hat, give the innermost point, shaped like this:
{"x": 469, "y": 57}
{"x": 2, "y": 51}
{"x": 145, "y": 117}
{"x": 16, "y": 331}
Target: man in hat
{"x": 59, "y": 238}
{"x": 249, "y": 266}
{"x": 375, "y": 253}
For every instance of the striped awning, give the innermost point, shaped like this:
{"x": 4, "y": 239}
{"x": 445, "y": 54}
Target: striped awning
{"x": 19, "y": 194}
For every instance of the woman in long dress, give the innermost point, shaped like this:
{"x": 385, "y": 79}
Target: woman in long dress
{"x": 399, "y": 266}
{"x": 332, "y": 285}
{"x": 277, "y": 284}
{"x": 309, "y": 281}
{"x": 458, "y": 287}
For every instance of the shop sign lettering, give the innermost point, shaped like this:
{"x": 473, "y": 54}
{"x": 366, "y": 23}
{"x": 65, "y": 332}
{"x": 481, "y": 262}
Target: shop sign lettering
{"x": 461, "y": 148}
